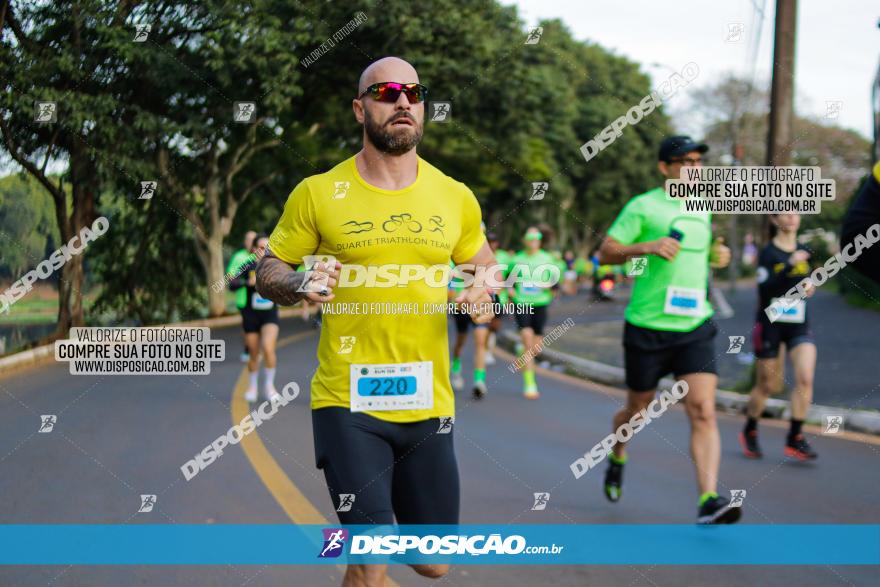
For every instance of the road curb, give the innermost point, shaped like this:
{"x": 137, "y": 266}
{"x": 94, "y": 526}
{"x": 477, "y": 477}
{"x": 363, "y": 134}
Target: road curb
{"x": 46, "y": 353}
{"x": 731, "y": 401}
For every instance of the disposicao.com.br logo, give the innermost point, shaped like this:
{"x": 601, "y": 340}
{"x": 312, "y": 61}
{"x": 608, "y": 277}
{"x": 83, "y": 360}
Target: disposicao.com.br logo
{"x": 432, "y": 544}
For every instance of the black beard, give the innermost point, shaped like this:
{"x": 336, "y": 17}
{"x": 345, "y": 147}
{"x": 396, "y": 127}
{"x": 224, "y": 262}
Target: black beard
{"x": 386, "y": 140}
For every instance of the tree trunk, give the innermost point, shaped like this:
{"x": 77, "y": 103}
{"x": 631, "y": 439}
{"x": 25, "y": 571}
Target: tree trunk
{"x": 215, "y": 272}
{"x": 562, "y": 237}
{"x": 70, "y": 288}
{"x": 70, "y": 311}
{"x": 210, "y": 253}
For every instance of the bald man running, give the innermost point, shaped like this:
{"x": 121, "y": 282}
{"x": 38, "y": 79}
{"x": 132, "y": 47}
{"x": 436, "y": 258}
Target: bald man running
{"x": 382, "y": 404}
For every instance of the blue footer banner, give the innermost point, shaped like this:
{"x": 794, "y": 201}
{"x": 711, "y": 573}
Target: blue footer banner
{"x": 178, "y": 544}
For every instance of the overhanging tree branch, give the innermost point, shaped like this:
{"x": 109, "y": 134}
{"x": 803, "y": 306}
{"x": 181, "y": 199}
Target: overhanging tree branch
{"x": 3, "y": 14}
{"x": 242, "y": 157}
{"x": 14, "y": 25}
{"x": 256, "y": 185}
{"x": 178, "y": 193}
{"x": 37, "y": 173}
{"x": 49, "y": 151}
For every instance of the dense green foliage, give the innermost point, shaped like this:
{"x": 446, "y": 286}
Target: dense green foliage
{"x": 27, "y": 224}
{"x": 162, "y": 110}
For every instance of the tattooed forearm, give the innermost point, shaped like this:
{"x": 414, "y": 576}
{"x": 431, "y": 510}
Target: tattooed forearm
{"x": 278, "y": 281}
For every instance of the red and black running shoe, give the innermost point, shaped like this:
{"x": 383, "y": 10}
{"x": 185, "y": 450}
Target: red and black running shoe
{"x": 799, "y": 448}
{"x": 748, "y": 440}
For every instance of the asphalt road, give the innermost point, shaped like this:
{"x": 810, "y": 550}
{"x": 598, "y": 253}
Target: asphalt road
{"x": 119, "y": 437}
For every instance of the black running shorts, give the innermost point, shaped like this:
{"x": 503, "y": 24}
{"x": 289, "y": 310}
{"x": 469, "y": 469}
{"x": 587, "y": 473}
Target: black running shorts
{"x": 253, "y": 320}
{"x": 767, "y": 336}
{"x": 403, "y": 471}
{"x": 463, "y": 322}
{"x": 534, "y": 317}
{"x": 650, "y": 354}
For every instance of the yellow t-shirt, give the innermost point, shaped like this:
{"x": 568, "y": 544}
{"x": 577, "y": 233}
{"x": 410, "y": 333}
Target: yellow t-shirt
{"x": 428, "y": 223}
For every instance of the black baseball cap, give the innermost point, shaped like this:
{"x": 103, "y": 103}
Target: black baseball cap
{"x": 679, "y": 145}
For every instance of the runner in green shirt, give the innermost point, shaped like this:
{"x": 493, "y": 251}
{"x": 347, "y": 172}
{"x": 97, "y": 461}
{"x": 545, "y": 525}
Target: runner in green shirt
{"x": 260, "y": 322}
{"x": 463, "y": 322}
{"x": 462, "y": 325}
{"x": 503, "y": 258}
{"x": 536, "y": 273}
{"x": 239, "y": 259}
{"x": 668, "y": 327}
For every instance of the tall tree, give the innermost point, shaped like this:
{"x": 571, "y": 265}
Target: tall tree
{"x": 55, "y": 53}
{"x": 185, "y": 87}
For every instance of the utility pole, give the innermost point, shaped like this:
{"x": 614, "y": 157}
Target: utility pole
{"x": 781, "y": 91}
{"x": 736, "y": 246}
{"x": 782, "y": 88}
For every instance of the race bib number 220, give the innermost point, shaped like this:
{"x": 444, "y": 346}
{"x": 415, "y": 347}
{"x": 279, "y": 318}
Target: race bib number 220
{"x": 396, "y": 386}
